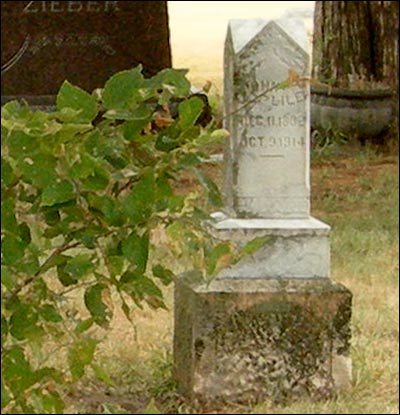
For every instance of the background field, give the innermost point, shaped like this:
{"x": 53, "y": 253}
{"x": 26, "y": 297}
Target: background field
{"x": 198, "y": 30}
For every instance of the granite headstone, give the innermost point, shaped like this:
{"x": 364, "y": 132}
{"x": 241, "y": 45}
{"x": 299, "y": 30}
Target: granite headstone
{"x": 44, "y": 43}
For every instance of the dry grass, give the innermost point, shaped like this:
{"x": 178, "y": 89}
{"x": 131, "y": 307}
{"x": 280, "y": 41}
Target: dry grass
{"x": 357, "y": 194}
{"x": 358, "y": 197}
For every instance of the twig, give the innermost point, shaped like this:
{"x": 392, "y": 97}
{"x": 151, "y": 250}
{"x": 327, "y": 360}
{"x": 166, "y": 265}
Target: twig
{"x": 292, "y": 80}
{"x": 56, "y": 252}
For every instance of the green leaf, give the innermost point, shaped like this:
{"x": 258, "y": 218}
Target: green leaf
{"x": 54, "y": 262}
{"x": 80, "y": 355}
{"x": 173, "y": 83}
{"x": 141, "y": 114}
{"x": 52, "y": 403}
{"x": 214, "y": 195}
{"x": 49, "y": 313}
{"x": 5, "y": 395}
{"x": 138, "y": 204}
{"x": 115, "y": 265}
{"x": 79, "y": 266}
{"x": 91, "y": 172}
{"x": 8, "y": 278}
{"x": 255, "y": 244}
{"x": 58, "y": 192}
{"x": 8, "y": 220}
{"x": 21, "y": 145}
{"x": 51, "y": 216}
{"x": 136, "y": 249}
{"x": 218, "y": 253}
{"x": 29, "y": 265}
{"x": 16, "y": 371}
{"x": 189, "y": 112}
{"x": 108, "y": 207}
{"x": 132, "y": 129}
{"x": 138, "y": 286}
{"x": 24, "y": 233}
{"x": 84, "y": 325}
{"x": 97, "y": 181}
{"x": 23, "y": 323}
{"x": 89, "y": 235}
{"x": 12, "y": 249}
{"x": 39, "y": 169}
{"x": 76, "y": 98}
{"x": 84, "y": 167}
{"x": 4, "y": 329}
{"x": 165, "y": 275}
{"x": 121, "y": 90}
{"x": 94, "y": 303}
{"x": 8, "y": 177}
{"x": 102, "y": 375}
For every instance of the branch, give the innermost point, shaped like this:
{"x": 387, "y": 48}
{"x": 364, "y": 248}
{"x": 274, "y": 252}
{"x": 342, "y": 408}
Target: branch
{"x": 56, "y": 252}
{"x": 292, "y": 80}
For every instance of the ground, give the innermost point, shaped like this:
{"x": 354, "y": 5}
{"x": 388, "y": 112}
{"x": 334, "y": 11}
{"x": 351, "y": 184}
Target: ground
{"x": 139, "y": 357}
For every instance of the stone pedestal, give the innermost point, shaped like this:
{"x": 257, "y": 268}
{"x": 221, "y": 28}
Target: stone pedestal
{"x": 273, "y": 325}
{"x": 245, "y": 339}
{"x": 293, "y": 248}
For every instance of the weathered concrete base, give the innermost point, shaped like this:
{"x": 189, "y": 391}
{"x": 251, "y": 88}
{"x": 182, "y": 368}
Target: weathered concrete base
{"x": 293, "y": 248}
{"x": 243, "y": 340}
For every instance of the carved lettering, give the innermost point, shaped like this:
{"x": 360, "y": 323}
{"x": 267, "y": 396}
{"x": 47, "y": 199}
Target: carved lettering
{"x": 56, "y": 7}
{"x": 286, "y": 120}
{"x": 72, "y": 40}
{"x": 111, "y": 6}
{"x": 74, "y": 6}
{"x": 30, "y": 7}
{"x": 93, "y": 6}
{"x": 271, "y": 142}
{"x": 251, "y": 120}
{"x": 71, "y": 6}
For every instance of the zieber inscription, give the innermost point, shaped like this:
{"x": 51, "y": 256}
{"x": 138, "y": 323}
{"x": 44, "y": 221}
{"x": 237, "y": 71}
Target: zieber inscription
{"x": 70, "y": 6}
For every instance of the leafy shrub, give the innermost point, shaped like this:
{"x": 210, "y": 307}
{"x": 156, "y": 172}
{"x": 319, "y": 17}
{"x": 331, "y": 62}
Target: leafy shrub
{"x": 84, "y": 188}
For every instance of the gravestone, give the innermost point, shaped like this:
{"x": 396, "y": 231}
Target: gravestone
{"x": 44, "y": 43}
{"x": 273, "y": 325}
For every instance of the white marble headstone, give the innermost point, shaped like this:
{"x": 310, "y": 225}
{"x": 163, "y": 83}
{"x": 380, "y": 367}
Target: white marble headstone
{"x": 267, "y": 158}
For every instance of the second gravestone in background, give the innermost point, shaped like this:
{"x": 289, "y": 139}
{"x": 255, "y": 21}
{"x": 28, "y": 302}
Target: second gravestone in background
{"x": 44, "y": 43}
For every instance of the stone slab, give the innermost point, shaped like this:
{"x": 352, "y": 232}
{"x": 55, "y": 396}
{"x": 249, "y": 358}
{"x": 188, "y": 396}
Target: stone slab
{"x": 267, "y": 155}
{"x": 44, "y": 43}
{"x": 292, "y": 248}
{"x": 245, "y": 341}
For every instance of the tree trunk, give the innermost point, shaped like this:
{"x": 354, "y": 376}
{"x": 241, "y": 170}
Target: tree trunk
{"x": 356, "y": 41}
{"x": 355, "y": 46}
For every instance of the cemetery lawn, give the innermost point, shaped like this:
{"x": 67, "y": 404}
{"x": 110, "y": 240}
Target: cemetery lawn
{"x": 356, "y": 191}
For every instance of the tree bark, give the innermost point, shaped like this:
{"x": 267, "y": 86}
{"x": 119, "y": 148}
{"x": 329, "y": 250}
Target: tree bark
{"x": 355, "y": 46}
{"x": 356, "y": 41}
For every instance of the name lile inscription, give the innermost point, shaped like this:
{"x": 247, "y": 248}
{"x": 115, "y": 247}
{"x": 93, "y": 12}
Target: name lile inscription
{"x": 70, "y": 6}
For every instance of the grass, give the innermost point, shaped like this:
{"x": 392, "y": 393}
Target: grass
{"x": 357, "y": 194}
{"x": 356, "y": 191}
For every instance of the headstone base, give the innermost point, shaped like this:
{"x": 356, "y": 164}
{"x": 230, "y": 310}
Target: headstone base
{"x": 292, "y": 248}
{"x": 244, "y": 340}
